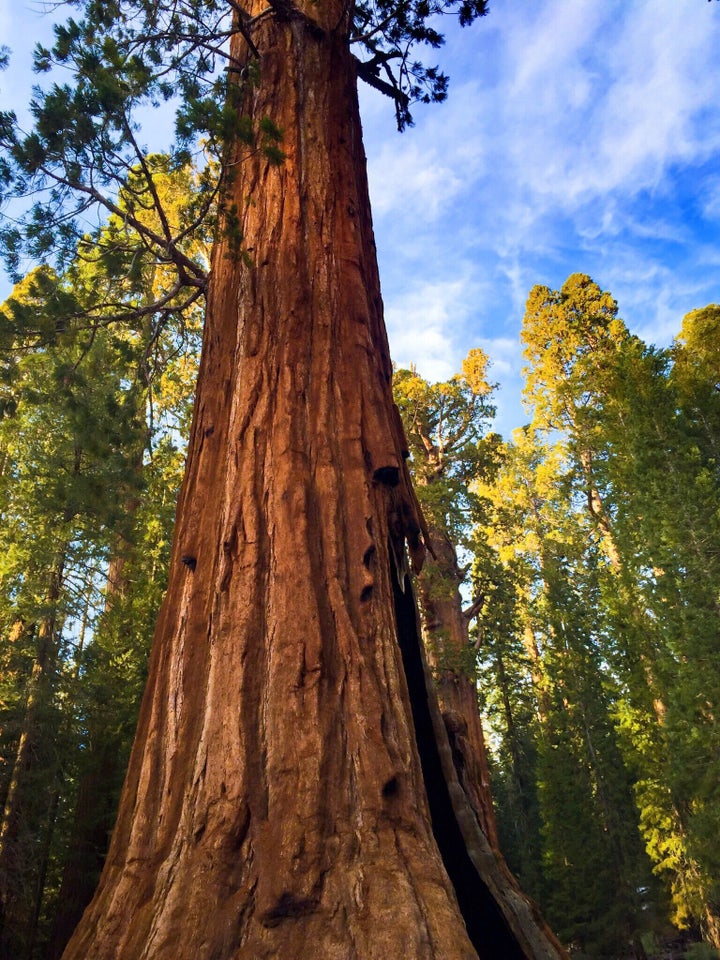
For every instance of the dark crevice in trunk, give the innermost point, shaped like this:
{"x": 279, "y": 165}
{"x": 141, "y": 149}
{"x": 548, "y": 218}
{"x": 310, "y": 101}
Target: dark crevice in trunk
{"x": 486, "y": 926}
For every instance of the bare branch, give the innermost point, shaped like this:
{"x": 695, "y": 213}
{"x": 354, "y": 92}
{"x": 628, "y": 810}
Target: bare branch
{"x": 366, "y": 71}
{"x": 469, "y": 613}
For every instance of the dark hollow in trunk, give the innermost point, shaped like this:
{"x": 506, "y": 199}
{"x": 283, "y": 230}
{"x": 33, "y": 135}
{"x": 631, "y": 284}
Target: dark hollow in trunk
{"x": 486, "y": 926}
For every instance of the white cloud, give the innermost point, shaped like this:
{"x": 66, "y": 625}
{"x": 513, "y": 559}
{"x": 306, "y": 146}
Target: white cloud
{"x": 406, "y": 177}
{"x": 601, "y": 98}
{"x": 423, "y": 323}
{"x": 711, "y": 199}
{"x": 425, "y": 169}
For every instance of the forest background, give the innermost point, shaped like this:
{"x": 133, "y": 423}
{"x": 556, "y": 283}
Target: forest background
{"x": 585, "y": 680}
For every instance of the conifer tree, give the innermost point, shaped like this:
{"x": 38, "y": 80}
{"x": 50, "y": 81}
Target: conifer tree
{"x": 593, "y": 864}
{"x": 55, "y": 325}
{"x": 444, "y": 423}
{"x": 649, "y": 495}
{"x": 291, "y": 788}
{"x": 64, "y": 438}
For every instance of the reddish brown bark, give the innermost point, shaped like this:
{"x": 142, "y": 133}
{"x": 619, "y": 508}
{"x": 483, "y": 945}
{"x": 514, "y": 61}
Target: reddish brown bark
{"x": 275, "y": 804}
{"x": 450, "y": 654}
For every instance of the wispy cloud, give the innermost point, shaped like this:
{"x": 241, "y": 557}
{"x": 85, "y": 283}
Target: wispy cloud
{"x": 411, "y": 178}
{"x": 605, "y": 97}
{"x": 573, "y": 141}
{"x": 425, "y": 321}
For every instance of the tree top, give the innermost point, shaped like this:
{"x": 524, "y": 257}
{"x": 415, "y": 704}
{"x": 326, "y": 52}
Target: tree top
{"x": 121, "y": 58}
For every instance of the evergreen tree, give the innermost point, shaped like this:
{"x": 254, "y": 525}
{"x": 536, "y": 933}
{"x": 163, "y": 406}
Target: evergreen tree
{"x": 65, "y": 439}
{"x": 444, "y": 424}
{"x": 54, "y": 334}
{"x": 652, "y": 501}
{"x": 287, "y": 652}
{"x": 579, "y": 810}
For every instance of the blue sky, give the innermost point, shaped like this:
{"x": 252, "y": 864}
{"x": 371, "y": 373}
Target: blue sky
{"x": 579, "y": 135}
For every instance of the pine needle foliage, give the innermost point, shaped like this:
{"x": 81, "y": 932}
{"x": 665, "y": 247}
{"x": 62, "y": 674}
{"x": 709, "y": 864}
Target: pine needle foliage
{"x": 119, "y": 61}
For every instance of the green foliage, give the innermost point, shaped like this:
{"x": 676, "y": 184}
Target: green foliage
{"x": 389, "y": 33}
{"x": 701, "y": 951}
{"x": 87, "y": 492}
{"x": 121, "y": 60}
{"x": 549, "y": 698}
{"x": 448, "y": 659}
{"x": 445, "y": 424}
{"x": 639, "y": 428}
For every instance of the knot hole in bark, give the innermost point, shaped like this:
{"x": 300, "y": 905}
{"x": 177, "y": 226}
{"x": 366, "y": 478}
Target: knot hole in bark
{"x": 288, "y": 907}
{"x": 391, "y": 788}
{"x": 389, "y": 476}
{"x": 368, "y": 562}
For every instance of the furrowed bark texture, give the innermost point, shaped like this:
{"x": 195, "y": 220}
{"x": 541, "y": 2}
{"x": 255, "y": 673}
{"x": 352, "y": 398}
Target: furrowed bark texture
{"x": 291, "y": 791}
{"x": 448, "y": 642}
{"x": 274, "y": 805}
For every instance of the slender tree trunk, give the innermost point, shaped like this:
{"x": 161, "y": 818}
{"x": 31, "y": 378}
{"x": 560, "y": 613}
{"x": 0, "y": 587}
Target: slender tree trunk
{"x": 20, "y": 631}
{"x": 101, "y": 767}
{"x": 93, "y": 820}
{"x": 32, "y": 792}
{"x": 275, "y": 804}
{"x": 537, "y": 674}
{"x": 522, "y": 814}
{"x": 452, "y": 659}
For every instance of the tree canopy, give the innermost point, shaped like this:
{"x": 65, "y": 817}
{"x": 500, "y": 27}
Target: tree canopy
{"x": 127, "y": 58}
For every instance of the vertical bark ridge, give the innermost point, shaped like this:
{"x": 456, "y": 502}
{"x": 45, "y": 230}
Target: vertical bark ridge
{"x": 277, "y": 712}
{"x": 275, "y": 803}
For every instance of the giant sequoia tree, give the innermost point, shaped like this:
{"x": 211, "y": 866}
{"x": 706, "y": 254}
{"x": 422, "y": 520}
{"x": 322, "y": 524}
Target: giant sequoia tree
{"x": 291, "y": 791}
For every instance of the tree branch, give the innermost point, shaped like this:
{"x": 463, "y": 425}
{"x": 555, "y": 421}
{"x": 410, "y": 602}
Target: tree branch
{"x": 366, "y": 72}
{"x": 475, "y": 607}
{"x": 191, "y": 273}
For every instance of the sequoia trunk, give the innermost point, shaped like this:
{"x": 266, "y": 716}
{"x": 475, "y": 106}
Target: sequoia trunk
{"x": 452, "y": 659}
{"x": 275, "y": 804}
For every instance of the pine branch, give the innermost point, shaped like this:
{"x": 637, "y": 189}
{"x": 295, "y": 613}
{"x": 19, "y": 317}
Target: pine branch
{"x": 191, "y": 273}
{"x": 367, "y": 71}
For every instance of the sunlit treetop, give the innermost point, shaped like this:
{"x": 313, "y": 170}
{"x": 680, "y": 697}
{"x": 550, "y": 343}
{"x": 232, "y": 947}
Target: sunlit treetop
{"x": 569, "y": 337}
{"x": 118, "y": 59}
{"x": 696, "y": 350}
{"x": 446, "y": 425}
